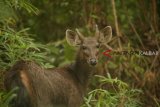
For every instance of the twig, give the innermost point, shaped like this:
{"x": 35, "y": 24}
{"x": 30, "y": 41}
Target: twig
{"x": 154, "y": 61}
{"x": 135, "y": 31}
{"x": 116, "y": 23}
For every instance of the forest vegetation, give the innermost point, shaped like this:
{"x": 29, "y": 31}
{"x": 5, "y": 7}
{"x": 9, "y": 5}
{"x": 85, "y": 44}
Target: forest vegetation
{"x": 35, "y": 30}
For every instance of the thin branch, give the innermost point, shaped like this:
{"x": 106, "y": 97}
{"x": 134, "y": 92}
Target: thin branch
{"x": 135, "y": 31}
{"x": 154, "y": 15}
{"x": 116, "y": 23}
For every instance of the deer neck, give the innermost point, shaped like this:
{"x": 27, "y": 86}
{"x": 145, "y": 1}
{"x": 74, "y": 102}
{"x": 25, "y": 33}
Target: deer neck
{"x": 83, "y": 70}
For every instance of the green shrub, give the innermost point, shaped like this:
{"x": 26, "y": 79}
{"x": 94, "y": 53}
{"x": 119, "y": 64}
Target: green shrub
{"x": 6, "y": 98}
{"x": 120, "y": 96}
{"x": 18, "y": 46}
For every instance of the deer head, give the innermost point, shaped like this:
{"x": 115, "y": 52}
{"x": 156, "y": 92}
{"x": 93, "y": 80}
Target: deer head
{"x": 89, "y": 46}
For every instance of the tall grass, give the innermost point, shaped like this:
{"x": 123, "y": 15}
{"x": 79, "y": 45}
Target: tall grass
{"x": 120, "y": 95}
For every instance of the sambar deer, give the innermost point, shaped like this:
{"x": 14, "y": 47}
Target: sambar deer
{"x": 58, "y": 87}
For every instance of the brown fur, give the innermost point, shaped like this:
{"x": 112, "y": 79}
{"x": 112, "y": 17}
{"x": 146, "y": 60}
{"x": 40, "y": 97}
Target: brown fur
{"x": 53, "y": 86}
{"x": 59, "y": 87}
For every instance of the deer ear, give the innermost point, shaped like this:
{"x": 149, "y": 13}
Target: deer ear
{"x": 72, "y": 38}
{"x": 105, "y": 34}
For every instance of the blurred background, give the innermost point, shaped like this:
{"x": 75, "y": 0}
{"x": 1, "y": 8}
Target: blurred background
{"x": 35, "y": 30}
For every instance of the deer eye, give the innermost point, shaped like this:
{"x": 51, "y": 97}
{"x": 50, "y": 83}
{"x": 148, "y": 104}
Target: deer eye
{"x": 97, "y": 46}
{"x": 84, "y": 47}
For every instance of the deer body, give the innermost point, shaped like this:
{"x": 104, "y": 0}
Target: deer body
{"x": 49, "y": 87}
{"x": 59, "y": 87}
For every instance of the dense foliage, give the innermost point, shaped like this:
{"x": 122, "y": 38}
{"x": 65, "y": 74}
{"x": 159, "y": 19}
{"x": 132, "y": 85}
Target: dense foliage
{"x": 31, "y": 30}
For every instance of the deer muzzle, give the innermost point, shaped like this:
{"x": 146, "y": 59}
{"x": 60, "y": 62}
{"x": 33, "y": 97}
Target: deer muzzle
{"x": 93, "y": 61}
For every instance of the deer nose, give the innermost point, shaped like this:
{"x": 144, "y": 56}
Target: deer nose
{"x": 93, "y": 61}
